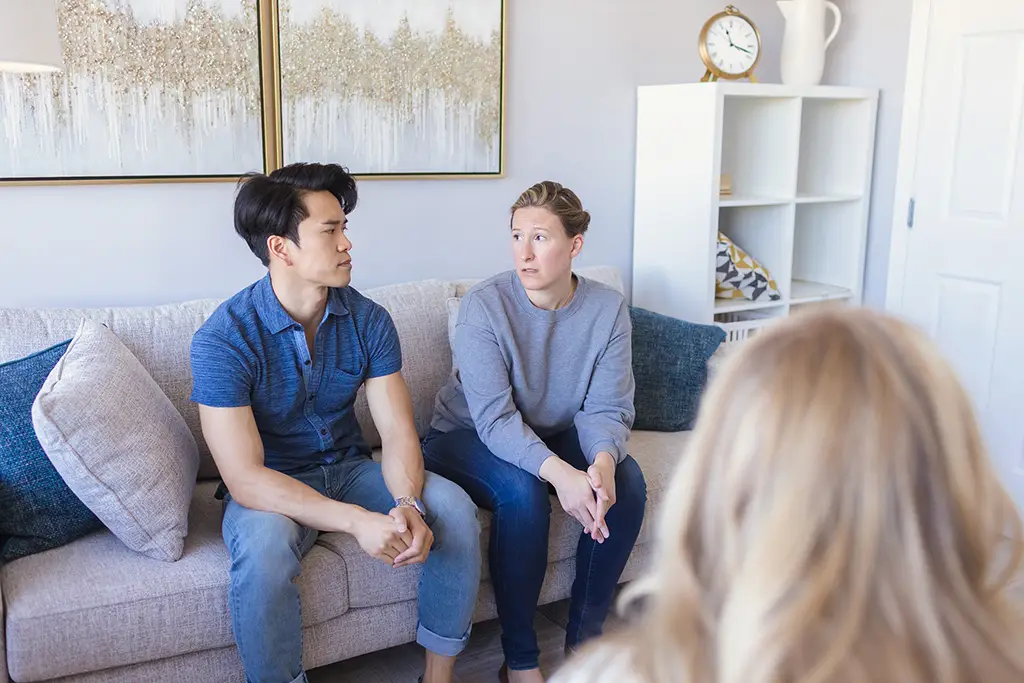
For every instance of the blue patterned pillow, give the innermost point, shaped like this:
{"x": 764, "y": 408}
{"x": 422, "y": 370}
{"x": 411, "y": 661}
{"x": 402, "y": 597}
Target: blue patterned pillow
{"x": 670, "y": 367}
{"x": 37, "y": 509}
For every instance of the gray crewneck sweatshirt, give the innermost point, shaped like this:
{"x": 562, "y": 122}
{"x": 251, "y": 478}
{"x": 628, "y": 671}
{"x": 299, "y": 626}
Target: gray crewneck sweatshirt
{"x": 525, "y": 373}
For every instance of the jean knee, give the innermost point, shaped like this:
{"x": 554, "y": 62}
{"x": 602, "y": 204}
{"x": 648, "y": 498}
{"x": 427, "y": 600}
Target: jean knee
{"x": 630, "y": 485}
{"x": 266, "y": 549}
{"x": 451, "y": 511}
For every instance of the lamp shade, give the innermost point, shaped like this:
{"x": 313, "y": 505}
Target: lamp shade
{"x": 29, "y": 37}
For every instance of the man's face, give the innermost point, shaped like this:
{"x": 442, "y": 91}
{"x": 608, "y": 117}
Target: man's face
{"x": 321, "y": 256}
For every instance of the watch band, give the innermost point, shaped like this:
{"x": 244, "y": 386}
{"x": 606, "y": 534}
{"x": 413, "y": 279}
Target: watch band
{"x": 412, "y": 502}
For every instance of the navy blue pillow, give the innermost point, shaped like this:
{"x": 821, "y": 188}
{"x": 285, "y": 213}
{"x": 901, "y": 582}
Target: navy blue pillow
{"x": 670, "y": 366}
{"x": 37, "y": 509}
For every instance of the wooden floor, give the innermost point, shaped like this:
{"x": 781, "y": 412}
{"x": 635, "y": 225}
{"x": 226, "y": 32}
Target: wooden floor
{"x": 482, "y": 658}
{"x": 479, "y": 663}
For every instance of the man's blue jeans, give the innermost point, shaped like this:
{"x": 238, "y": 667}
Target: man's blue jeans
{"x": 266, "y": 550}
{"x": 519, "y": 536}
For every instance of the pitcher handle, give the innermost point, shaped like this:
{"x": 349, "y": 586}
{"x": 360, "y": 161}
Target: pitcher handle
{"x": 835, "y": 27}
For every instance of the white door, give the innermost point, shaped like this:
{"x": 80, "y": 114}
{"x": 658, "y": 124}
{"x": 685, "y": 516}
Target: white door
{"x": 958, "y": 271}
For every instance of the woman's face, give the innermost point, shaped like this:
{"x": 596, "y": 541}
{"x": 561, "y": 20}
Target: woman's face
{"x": 542, "y": 249}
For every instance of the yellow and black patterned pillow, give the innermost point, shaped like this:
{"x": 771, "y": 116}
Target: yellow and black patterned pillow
{"x": 739, "y": 276}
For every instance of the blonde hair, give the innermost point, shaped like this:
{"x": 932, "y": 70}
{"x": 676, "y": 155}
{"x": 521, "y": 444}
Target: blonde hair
{"x": 835, "y": 519}
{"x": 559, "y": 200}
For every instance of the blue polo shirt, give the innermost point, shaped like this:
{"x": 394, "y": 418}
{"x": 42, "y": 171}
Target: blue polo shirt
{"x": 250, "y": 352}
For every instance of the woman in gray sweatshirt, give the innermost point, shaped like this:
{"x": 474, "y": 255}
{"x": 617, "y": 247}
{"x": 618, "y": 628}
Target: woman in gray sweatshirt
{"x": 542, "y": 402}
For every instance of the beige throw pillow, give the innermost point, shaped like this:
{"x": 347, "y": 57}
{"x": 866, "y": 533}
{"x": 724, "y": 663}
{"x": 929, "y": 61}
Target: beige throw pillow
{"x": 118, "y": 442}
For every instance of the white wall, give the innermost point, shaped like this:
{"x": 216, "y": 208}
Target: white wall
{"x": 871, "y": 50}
{"x": 573, "y": 66}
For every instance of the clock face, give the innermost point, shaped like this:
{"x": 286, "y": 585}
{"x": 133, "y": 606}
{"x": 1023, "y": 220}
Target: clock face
{"x": 732, "y": 45}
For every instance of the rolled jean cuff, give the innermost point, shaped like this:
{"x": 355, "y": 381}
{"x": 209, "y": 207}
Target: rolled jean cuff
{"x": 301, "y": 678}
{"x": 446, "y": 647}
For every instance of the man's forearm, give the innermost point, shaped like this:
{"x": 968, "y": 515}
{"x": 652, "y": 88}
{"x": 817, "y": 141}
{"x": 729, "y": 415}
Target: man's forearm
{"x": 271, "y": 491}
{"x": 402, "y": 466}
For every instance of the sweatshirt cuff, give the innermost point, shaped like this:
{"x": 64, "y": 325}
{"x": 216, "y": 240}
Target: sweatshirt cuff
{"x": 534, "y": 457}
{"x": 605, "y": 447}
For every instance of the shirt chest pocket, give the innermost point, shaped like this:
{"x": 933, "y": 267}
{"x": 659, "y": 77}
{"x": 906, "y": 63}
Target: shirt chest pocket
{"x": 339, "y": 386}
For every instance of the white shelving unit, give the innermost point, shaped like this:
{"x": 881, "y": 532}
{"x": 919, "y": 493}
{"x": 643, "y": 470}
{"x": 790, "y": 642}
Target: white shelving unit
{"x": 800, "y": 160}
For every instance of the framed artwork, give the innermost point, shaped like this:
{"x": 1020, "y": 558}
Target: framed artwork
{"x": 390, "y": 87}
{"x": 150, "y": 91}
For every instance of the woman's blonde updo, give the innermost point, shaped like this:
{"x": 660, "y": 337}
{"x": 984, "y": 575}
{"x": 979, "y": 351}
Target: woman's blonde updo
{"x": 560, "y": 201}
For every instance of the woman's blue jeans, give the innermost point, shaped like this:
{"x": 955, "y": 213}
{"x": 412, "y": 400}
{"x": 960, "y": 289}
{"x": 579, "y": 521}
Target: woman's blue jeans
{"x": 518, "y": 556}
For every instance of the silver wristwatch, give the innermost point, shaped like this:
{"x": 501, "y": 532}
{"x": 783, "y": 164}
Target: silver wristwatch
{"x": 412, "y": 502}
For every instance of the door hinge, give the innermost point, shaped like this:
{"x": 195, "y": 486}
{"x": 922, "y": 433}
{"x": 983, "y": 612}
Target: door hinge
{"x": 910, "y": 213}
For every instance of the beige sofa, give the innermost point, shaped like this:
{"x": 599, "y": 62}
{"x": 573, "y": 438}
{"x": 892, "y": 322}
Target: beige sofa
{"x": 93, "y": 610}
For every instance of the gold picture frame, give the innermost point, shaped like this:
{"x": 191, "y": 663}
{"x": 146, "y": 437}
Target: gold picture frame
{"x": 54, "y": 111}
{"x": 152, "y": 93}
{"x": 410, "y": 73}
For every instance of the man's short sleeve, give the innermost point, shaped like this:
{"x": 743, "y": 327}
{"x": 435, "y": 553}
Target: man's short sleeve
{"x": 221, "y": 376}
{"x": 382, "y": 343}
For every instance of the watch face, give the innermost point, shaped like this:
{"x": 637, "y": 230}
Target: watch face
{"x": 732, "y": 45}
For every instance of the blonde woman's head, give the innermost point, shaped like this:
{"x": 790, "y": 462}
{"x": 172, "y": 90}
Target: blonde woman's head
{"x": 835, "y": 518}
{"x": 547, "y": 225}
{"x": 559, "y": 201}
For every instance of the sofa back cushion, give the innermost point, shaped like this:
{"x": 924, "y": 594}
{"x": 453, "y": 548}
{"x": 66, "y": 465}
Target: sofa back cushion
{"x": 158, "y": 336}
{"x": 419, "y": 312}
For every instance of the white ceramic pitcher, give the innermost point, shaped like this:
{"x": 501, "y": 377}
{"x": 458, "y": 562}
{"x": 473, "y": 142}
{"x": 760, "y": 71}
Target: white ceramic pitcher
{"x": 804, "y": 42}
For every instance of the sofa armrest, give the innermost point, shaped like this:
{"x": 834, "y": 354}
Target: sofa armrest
{"x": 3, "y": 640}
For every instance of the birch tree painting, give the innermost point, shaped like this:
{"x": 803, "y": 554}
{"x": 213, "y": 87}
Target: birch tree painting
{"x": 151, "y": 89}
{"x": 393, "y": 86}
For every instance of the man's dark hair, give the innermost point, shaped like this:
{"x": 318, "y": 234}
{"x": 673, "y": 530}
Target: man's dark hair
{"x": 273, "y": 204}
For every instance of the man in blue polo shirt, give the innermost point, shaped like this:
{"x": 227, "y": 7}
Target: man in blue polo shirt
{"x": 275, "y": 372}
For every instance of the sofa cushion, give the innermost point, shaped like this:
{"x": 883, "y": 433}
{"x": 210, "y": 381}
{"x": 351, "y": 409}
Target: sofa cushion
{"x": 608, "y": 275}
{"x": 159, "y": 336}
{"x": 94, "y": 604}
{"x": 419, "y": 313}
{"x": 372, "y": 583}
{"x": 670, "y": 367}
{"x": 38, "y": 510}
{"x": 118, "y": 442}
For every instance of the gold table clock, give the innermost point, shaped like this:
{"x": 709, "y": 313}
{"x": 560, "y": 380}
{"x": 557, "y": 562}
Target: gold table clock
{"x": 730, "y": 46}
